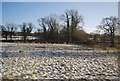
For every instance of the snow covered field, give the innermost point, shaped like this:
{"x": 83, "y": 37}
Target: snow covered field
{"x": 57, "y": 61}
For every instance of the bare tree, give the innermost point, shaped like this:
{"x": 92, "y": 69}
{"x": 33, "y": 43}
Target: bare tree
{"x": 73, "y": 21}
{"x": 30, "y": 28}
{"x": 4, "y": 32}
{"x": 66, "y": 29}
{"x": 26, "y": 29}
{"x": 43, "y": 24}
{"x": 50, "y": 26}
{"x": 10, "y": 30}
{"x": 76, "y": 22}
{"x": 53, "y": 24}
{"x": 109, "y": 26}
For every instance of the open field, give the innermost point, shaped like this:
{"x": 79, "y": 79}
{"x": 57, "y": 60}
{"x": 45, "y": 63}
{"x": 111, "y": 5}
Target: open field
{"x": 57, "y": 61}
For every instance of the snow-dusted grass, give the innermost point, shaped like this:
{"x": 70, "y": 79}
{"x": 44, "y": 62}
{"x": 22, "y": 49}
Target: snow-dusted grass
{"x": 57, "y": 61}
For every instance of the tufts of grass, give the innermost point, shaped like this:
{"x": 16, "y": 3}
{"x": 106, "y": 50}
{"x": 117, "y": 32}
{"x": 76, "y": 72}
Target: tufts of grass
{"x": 113, "y": 49}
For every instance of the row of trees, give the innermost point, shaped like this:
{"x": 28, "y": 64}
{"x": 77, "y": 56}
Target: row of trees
{"x": 66, "y": 28}
{"x": 8, "y": 30}
{"x": 54, "y": 29}
{"x": 11, "y": 29}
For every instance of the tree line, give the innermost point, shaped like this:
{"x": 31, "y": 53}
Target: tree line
{"x": 69, "y": 28}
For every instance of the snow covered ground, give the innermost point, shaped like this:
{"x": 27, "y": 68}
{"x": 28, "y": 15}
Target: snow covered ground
{"x": 57, "y": 61}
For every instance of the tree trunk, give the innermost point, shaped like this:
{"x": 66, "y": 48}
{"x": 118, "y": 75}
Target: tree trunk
{"x": 6, "y": 37}
{"x": 112, "y": 41}
{"x": 25, "y": 38}
{"x": 10, "y": 37}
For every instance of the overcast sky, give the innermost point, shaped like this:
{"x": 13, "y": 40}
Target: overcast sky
{"x": 93, "y": 12}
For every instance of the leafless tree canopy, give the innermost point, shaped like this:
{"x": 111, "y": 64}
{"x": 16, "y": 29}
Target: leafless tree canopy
{"x": 74, "y": 21}
{"x": 9, "y": 30}
{"x": 67, "y": 27}
{"x": 110, "y": 26}
{"x": 26, "y": 29}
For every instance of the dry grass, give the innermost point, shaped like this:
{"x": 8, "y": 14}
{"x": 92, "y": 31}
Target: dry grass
{"x": 102, "y": 46}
